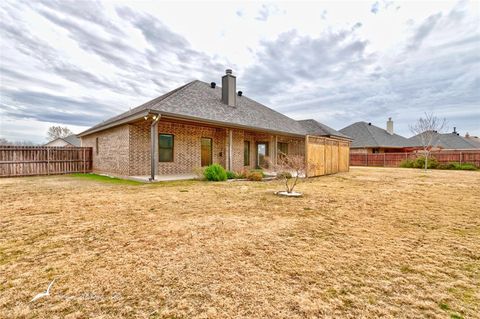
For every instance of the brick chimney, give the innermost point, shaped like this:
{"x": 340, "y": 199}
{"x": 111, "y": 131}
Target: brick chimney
{"x": 390, "y": 126}
{"x": 229, "y": 87}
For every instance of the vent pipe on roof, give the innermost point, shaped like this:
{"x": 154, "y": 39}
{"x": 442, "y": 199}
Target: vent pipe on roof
{"x": 454, "y": 130}
{"x": 240, "y": 93}
{"x": 213, "y": 85}
{"x": 390, "y": 126}
{"x": 229, "y": 87}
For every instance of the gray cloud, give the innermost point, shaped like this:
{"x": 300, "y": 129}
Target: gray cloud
{"x": 375, "y": 7}
{"x": 140, "y": 73}
{"x": 292, "y": 58}
{"x": 54, "y": 108}
{"x": 263, "y": 13}
{"x": 423, "y": 31}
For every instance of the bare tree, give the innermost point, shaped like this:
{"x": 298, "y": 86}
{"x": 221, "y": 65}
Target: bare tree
{"x": 289, "y": 168}
{"x": 426, "y": 129}
{"x": 55, "y": 132}
{"x": 4, "y": 141}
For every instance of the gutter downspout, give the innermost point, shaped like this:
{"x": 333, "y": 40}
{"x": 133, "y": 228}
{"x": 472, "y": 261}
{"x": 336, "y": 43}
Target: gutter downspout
{"x": 153, "y": 138}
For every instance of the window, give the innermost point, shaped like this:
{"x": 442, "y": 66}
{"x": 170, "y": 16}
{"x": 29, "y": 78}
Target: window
{"x": 165, "y": 148}
{"x": 96, "y": 145}
{"x": 206, "y": 151}
{"x": 246, "y": 153}
{"x": 282, "y": 149}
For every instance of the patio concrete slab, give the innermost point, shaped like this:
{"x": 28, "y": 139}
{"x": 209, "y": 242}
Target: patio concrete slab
{"x": 163, "y": 178}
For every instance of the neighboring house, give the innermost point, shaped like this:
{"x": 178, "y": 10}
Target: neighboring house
{"x": 368, "y": 138}
{"x": 199, "y": 124}
{"x": 69, "y": 141}
{"x": 449, "y": 141}
{"x": 474, "y": 139}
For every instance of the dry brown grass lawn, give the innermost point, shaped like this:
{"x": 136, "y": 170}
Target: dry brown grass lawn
{"x": 369, "y": 243}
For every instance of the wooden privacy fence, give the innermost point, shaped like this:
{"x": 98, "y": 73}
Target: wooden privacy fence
{"x": 44, "y": 160}
{"x": 326, "y": 156}
{"x": 394, "y": 159}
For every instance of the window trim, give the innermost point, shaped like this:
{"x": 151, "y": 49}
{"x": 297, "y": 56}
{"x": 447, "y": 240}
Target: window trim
{"x": 172, "y": 148}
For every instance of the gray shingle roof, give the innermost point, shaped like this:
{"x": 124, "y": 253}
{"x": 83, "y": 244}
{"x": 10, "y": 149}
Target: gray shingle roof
{"x": 72, "y": 139}
{"x": 367, "y": 135}
{"x": 450, "y": 141}
{"x": 316, "y": 128}
{"x": 197, "y": 100}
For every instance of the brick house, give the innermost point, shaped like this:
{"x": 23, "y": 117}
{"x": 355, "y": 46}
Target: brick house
{"x": 198, "y": 124}
{"x": 368, "y": 138}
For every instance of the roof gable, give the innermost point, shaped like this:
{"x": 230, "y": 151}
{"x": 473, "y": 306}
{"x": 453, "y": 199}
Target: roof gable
{"x": 367, "y": 135}
{"x": 73, "y": 140}
{"x": 448, "y": 141}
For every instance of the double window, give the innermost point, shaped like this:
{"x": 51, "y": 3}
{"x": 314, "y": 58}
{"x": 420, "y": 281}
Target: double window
{"x": 165, "y": 148}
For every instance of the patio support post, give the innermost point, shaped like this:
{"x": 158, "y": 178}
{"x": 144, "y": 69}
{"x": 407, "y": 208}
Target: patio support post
{"x": 153, "y": 144}
{"x": 275, "y": 153}
{"x": 230, "y": 149}
{"x": 306, "y": 156}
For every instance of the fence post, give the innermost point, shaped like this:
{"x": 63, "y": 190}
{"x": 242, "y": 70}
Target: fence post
{"x": 460, "y": 157}
{"x": 84, "y": 163}
{"x": 366, "y": 159}
{"x": 384, "y": 159}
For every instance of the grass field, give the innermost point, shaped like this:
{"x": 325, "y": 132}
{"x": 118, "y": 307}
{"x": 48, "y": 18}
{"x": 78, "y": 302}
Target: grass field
{"x": 373, "y": 242}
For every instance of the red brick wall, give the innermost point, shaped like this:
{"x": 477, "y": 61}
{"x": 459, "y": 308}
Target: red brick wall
{"x": 187, "y": 146}
{"x": 140, "y": 148}
{"x": 113, "y": 150}
{"x": 125, "y": 150}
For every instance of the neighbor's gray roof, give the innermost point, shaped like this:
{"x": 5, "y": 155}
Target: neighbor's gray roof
{"x": 450, "y": 141}
{"x": 72, "y": 139}
{"x": 367, "y": 135}
{"x": 198, "y": 101}
{"x": 316, "y": 128}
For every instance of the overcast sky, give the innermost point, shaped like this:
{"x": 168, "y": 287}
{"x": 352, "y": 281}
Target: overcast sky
{"x": 78, "y": 63}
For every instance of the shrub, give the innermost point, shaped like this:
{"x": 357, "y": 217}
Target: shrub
{"x": 419, "y": 162}
{"x": 466, "y": 167}
{"x": 283, "y": 175}
{"x": 259, "y": 170}
{"x": 255, "y": 175}
{"x": 447, "y": 166}
{"x": 242, "y": 175}
{"x": 458, "y": 166}
{"x": 231, "y": 175}
{"x": 408, "y": 163}
{"x": 215, "y": 172}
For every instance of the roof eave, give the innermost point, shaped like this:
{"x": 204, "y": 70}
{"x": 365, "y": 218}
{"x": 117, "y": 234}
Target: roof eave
{"x": 125, "y": 120}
